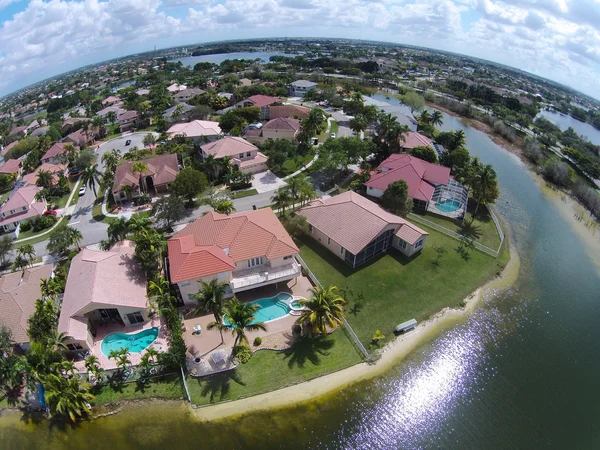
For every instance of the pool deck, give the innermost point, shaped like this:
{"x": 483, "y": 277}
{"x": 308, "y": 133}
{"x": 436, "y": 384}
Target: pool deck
{"x": 201, "y": 345}
{"x": 159, "y": 344}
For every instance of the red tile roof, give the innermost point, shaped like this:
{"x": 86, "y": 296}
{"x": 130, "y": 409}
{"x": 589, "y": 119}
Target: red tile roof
{"x": 262, "y": 100}
{"x": 163, "y": 170}
{"x": 215, "y": 242}
{"x": 413, "y": 139}
{"x": 288, "y": 111}
{"x": 58, "y": 148}
{"x": 420, "y": 176}
{"x": 8, "y": 147}
{"x": 11, "y": 166}
{"x": 56, "y": 169}
{"x": 354, "y": 221}
{"x": 228, "y": 146}
{"x": 282, "y": 123}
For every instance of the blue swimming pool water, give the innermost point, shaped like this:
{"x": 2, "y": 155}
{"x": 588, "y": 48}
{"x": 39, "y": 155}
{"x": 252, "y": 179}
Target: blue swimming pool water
{"x": 448, "y": 205}
{"x": 270, "y": 308}
{"x": 135, "y": 343}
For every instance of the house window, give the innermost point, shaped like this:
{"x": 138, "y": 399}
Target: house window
{"x": 135, "y": 317}
{"x": 74, "y": 347}
{"x": 252, "y": 262}
{"x": 328, "y": 241}
{"x": 248, "y": 154}
{"x": 341, "y": 250}
{"x": 419, "y": 243}
{"x": 310, "y": 228}
{"x": 285, "y": 258}
{"x": 402, "y": 244}
{"x": 241, "y": 155}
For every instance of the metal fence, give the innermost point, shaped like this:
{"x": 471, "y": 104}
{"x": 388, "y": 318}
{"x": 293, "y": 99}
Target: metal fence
{"x": 347, "y": 328}
{"x": 458, "y": 236}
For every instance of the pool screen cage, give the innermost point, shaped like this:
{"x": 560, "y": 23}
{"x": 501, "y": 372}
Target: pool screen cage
{"x": 453, "y": 191}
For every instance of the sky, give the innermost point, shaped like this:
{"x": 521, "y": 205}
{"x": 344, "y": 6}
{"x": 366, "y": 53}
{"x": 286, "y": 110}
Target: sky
{"x": 557, "y": 39}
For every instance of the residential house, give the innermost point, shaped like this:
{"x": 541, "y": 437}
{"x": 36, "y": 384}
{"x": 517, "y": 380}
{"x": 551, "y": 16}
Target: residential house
{"x": 244, "y": 156}
{"x": 6, "y": 148}
{"x": 356, "y": 229}
{"x": 11, "y": 167}
{"x": 199, "y": 131}
{"x": 18, "y": 293}
{"x": 81, "y": 138}
{"x": 54, "y": 169}
{"x": 102, "y": 288}
{"x": 245, "y": 82}
{"x": 293, "y": 111}
{"x": 71, "y": 122}
{"x": 412, "y": 139}
{"x": 20, "y": 207}
{"x": 22, "y": 131}
{"x": 111, "y": 100}
{"x": 280, "y": 128}
{"x": 300, "y": 87}
{"x": 34, "y": 125}
{"x": 161, "y": 172}
{"x": 429, "y": 185}
{"x": 176, "y": 88}
{"x": 128, "y": 120}
{"x": 142, "y": 92}
{"x": 179, "y": 112}
{"x": 260, "y": 101}
{"x": 247, "y": 250}
{"x": 54, "y": 155}
{"x": 39, "y": 132}
{"x": 104, "y": 113}
{"x": 187, "y": 94}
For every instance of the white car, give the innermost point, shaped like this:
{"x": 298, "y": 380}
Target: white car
{"x": 82, "y": 191}
{"x": 333, "y": 135}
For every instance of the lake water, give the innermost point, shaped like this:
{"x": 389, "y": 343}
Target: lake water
{"x": 563, "y": 122}
{"x": 521, "y": 372}
{"x": 218, "y": 58}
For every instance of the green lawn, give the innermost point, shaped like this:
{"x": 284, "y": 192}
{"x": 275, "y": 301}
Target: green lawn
{"x": 483, "y": 229}
{"x": 4, "y": 196}
{"x": 334, "y": 127}
{"x": 3, "y": 402}
{"x": 170, "y": 387}
{"x": 292, "y": 165}
{"x": 97, "y": 209}
{"x": 269, "y": 370}
{"x": 396, "y": 288}
{"x": 247, "y": 193}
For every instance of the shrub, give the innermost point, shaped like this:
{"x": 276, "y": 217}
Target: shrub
{"x": 257, "y": 341}
{"x": 296, "y": 330}
{"x": 26, "y": 226}
{"x": 242, "y": 353}
{"x": 141, "y": 200}
{"x": 43, "y": 222}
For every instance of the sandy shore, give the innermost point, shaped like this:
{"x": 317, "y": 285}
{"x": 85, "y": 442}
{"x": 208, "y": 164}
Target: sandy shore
{"x": 391, "y": 354}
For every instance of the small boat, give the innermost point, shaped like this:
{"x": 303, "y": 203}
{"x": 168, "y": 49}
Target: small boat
{"x": 405, "y": 326}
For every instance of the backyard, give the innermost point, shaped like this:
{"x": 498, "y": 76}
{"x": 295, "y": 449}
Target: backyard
{"x": 269, "y": 370}
{"x": 169, "y": 387}
{"x": 395, "y": 288}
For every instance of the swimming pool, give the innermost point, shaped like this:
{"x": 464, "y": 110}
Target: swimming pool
{"x": 135, "y": 343}
{"x": 448, "y": 205}
{"x": 271, "y": 308}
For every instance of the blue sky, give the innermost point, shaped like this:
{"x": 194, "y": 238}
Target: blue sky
{"x": 558, "y": 39}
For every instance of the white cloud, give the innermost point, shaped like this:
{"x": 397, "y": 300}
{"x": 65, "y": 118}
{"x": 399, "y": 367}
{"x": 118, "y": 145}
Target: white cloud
{"x": 559, "y": 39}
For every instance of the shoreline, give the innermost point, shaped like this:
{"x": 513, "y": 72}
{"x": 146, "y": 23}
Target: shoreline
{"x": 393, "y": 353}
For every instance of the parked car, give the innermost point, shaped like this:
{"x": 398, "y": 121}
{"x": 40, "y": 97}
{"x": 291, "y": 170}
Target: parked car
{"x": 333, "y": 135}
{"x": 74, "y": 172}
{"x": 82, "y": 191}
{"x": 127, "y": 142}
{"x": 49, "y": 211}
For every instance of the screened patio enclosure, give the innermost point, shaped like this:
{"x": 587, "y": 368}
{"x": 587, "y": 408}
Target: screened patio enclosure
{"x": 379, "y": 245}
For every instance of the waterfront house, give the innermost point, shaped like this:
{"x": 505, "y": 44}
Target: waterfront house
{"x": 356, "y": 229}
{"x": 18, "y": 293}
{"x": 247, "y": 250}
{"x": 20, "y": 207}
{"x": 111, "y": 100}
{"x": 104, "y": 289}
{"x": 413, "y": 139}
{"x": 300, "y": 87}
{"x": 160, "y": 173}
{"x": 199, "y": 131}
{"x": 244, "y": 156}
{"x": 429, "y": 185}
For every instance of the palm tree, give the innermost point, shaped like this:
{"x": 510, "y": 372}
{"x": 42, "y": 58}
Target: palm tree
{"x": 49, "y": 287}
{"x": 307, "y": 192}
{"x": 139, "y": 168}
{"x": 210, "y": 297}
{"x": 112, "y": 117}
{"x": 91, "y": 363}
{"x": 110, "y": 161}
{"x": 314, "y": 123}
{"x": 58, "y": 341}
{"x": 67, "y": 396}
{"x": 323, "y": 309}
{"x": 239, "y": 318}
{"x": 45, "y": 179}
{"x": 485, "y": 186}
{"x": 98, "y": 124}
{"x": 294, "y": 185}
{"x": 459, "y": 138}
{"x": 436, "y": 118}
{"x": 281, "y": 199}
{"x": 28, "y": 252}
{"x": 138, "y": 223}
{"x": 211, "y": 166}
{"x": 118, "y": 230}
{"x": 91, "y": 177}
{"x": 74, "y": 236}
{"x": 224, "y": 207}
{"x": 424, "y": 117}
{"x": 158, "y": 286}
{"x": 20, "y": 263}
{"x": 42, "y": 195}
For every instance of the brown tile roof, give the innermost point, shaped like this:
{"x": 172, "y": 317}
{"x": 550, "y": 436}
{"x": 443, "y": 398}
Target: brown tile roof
{"x": 288, "y": 111}
{"x": 17, "y": 130}
{"x": 163, "y": 169}
{"x": 262, "y": 100}
{"x": 195, "y": 128}
{"x": 219, "y": 241}
{"x": 56, "y": 169}
{"x": 282, "y": 123}
{"x": 353, "y": 221}
{"x": 128, "y": 115}
{"x": 228, "y": 146}
{"x": 412, "y": 139}
{"x": 100, "y": 279}
{"x": 69, "y": 122}
{"x": 11, "y": 166}
{"x": 17, "y": 299}
{"x": 58, "y": 148}
{"x": 8, "y": 147}
{"x": 110, "y": 99}
{"x": 80, "y": 138}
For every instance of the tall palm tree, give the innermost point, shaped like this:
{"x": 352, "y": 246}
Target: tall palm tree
{"x": 224, "y": 207}
{"x": 210, "y": 297}
{"x": 307, "y": 192}
{"x": 325, "y": 308}
{"x": 49, "y": 287}
{"x": 211, "y": 166}
{"x": 110, "y": 161}
{"x": 138, "y": 223}
{"x": 436, "y": 118}
{"x": 459, "y": 138}
{"x": 281, "y": 199}
{"x": 139, "y": 168}
{"x": 74, "y": 236}
{"x": 42, "y": 195}
{"x": 28, "y": 252}
{"x": 424, "y": 117}
{"x": 20, "y": 263}
{"x": 485, "y": 186}
{"x": 67, "y": 396}
{"x": 294, "y": 185}
{"x": 118, "y": 230}
{"x": 91, "y": 177}
{"x": 159, "y": 286}
{"x": 111, "y": 117}
{"x": 239, "y": 318}
{"x": 45, "y": 179}
{"x": 314, "y": 123}
{"x": 58, "y": 341}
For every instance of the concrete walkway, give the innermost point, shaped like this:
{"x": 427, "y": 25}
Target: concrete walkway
{"x": 312, "y": 161}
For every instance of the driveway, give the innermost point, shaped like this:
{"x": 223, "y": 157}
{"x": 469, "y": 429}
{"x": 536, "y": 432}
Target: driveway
{"x": 266, "y": 182}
